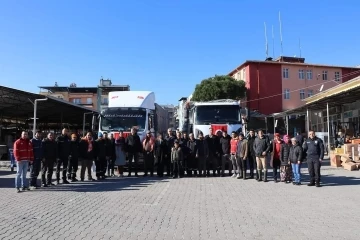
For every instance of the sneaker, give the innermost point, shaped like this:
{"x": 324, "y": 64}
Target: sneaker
{"x": 18, "y": 190}
{"x": 238, "y": 176}
{"x": 234, "y": 175}
{"x": 26, "y": 189}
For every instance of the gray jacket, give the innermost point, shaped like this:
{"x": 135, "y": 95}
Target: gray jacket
{"x": 261, "y": 145}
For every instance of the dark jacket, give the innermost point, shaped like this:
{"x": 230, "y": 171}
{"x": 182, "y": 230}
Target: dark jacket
{"x": 202, "y": 148}
{"x": 112, "y": 149}
{"x": 101, "y": 148}
{"x": 295, "y": 154}
{"x": 169, "y": 142}
{"x": 284, "y": 154}
{"x": 261, "y": 145}
{"x": 50, "y": 149}
{"x": 251, "y": 141}
{"x": 63, "y": 145}
{"x": 176, "y": 155}
{"x": 192, "y": 147}
{"x": 37, "y": 148}
{"x": 83, "y": 150}
{"x": 183, "y": 146}
{"x": 74, "y": 149}
{"x": 160, "y": 149}
{"x": 213, "y": 144}
{"x": 300, "y": 139}
{"x": 225, "y": 144}
{"x": 133, "y": 144}
{"x": 314, "y": 148}
{"x": 109, "y": 148}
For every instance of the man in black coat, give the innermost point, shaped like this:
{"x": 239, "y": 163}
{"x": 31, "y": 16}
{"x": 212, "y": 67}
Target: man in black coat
{"x": 133, "y": 147}
{"x": 63, "y": 147}
{"x": 251, "y": 154}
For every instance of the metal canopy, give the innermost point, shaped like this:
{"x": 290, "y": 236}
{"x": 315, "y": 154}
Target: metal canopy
{"x": 17, "y": 104}
{"x": 339, "y": 95}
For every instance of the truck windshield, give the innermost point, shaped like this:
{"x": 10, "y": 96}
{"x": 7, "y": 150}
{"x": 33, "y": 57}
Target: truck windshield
{"x": 217, "y": 114}
{"x": 122, "y": 119}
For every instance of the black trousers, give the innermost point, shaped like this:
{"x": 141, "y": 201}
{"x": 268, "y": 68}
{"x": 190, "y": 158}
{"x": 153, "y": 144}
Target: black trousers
{"x": 64, "y": 163}
{"x": 134, "y": 165}
{"x": 177, "y": 168}
{"x": 314, "y": 170}
{"x": 86, "y": 165}
{"x": 110, "y": 166}
{"x": 168, "y": 164}
{"x": 47, "y": 169}
{"x": 160, "y": 164}
{"x": 35, "y": 170}
{"x": 192, "y": 163}
{"x": 276, "y": 167}
{"x": 225, "y": 159}
{"x": 73, "y": 166}
{"x": 149, "y": 163}
{"x": 201, "y": 164}
{"x": 243, "y": 165}
{"x": 212, "y": 162}
{"x": 100, "y": 164}
{"x": 252, "y": 165}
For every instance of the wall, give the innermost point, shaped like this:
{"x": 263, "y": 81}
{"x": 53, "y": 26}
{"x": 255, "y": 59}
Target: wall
{"x": 264, "y": 87}
{"x": 346, "y": 72}
{"x": 309, "y": 86}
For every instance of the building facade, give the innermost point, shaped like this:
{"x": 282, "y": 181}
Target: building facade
{"x": 278, "y": 85}
{"x": 92, "y": 97}
{"x": 171, "y": 109}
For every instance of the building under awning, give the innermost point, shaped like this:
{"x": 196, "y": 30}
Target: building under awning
{"x": 16, "y": 106}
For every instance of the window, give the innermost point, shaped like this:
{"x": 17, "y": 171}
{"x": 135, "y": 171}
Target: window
{"x": 244, "y": 75}
{"x": 301, "y": 74}
{"x": 337, "y": 76}
{"x": 287, "y": 94}
{"x": 324, "y": 75}
{"x": 105, "y": 101}
{"x": 302, "y": 94}
{"x": 310, "y": 93}
{"x": 89, "y": 101}
{"x": 285, "y": 73}
{"x": 77, "y": 100}
{"x": 309, "y": 74}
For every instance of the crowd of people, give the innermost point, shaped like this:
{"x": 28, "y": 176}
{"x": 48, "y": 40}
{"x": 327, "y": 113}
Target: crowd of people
{"x": 177, "y": 155}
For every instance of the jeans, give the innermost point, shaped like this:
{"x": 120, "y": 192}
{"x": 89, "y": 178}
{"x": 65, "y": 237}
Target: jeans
{"x": 296, "y": 171}
{"x": 21, "y": 170}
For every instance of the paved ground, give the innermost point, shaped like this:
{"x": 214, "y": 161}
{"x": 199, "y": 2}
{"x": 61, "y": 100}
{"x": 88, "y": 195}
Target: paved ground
{"x": 189, "y": 208}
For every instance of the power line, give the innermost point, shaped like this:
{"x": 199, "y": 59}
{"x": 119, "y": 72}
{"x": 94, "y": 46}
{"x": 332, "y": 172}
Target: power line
{"x": 296, "y": 90}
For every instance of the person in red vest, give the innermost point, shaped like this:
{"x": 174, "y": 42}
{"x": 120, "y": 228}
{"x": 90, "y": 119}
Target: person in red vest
{"x": 23, "y": 153}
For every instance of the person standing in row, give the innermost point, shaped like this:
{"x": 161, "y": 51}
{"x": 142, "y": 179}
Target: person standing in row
{"x": 38, "y": 155}
{"x": 242, "y": 153}
{"x": 73, "y": 158}
{"x": 134, "y": 147}
{"x": 120, "y": 152}
{"x": 170, "y": 138}
{"x": 252, "y": 155}
{"x": 23, "y": 153}
{"x": 202, "y": 154}
{"x": 101, "y": 156}
{"x": 112, "y": 158}
{"x": 176, "y": 158}
{"x": 275, "y": 156}
{"x": 63, "y": 144}
{"x": 214, "y": 152}
{"x": 285, "y": 168}
{"x": 191, "y": 163}
{"x": 87, "y": 153}
{"x": 295, "y": 158}
{"x": 233, "y": 156}
{"x": 148, "y": 153}
{"x": 261, "y": 148}
{"x": 160, "y": 154}
{"x": 50, "y": 153}
{"x": 314, "y": 149}
{"x": 225, "y": 156}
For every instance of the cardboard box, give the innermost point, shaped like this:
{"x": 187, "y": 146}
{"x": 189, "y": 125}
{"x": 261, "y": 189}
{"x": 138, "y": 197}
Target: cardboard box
{"x": 335, "y": 160}
{"x": 345, "y": 159}
{"x": 348, "y": 147}
{"x": 350, "y": 166}
{"x": 355, "y": 141}
{"x": 339, "y": 151}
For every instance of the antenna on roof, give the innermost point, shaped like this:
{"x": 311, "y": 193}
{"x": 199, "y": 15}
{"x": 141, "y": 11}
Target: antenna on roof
{"x": 273, "y": 40}
{"x": 300, "y": 47}
{"x": 266, "y": 42}
{"x": 281, "y": 40}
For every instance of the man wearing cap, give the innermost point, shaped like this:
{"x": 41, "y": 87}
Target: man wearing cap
{"x": 63, "y": 145}
{"x": 314, "y": 149}
{"x": 134, "y": 147}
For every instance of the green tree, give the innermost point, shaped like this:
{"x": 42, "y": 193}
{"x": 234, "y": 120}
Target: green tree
{"x": 219, "y": 87}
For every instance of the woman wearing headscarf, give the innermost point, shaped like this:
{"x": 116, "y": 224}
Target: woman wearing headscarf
{"x": 120, "y": 160}
{"x": 285, "y": 168}
{"x": 275, "y": 158}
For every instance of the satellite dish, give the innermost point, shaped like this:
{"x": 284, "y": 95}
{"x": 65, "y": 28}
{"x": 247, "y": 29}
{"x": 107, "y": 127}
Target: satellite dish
{"x": 321, "y": 88}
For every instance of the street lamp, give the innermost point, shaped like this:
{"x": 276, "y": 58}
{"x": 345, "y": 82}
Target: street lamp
{"x": 35, "y": 110}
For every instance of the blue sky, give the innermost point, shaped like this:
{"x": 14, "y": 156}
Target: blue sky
{"x": 166, "y": 46}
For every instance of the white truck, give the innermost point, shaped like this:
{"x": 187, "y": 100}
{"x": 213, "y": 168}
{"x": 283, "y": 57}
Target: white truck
{"x": 219, "y": 115}
{"x": 127, "y": 109}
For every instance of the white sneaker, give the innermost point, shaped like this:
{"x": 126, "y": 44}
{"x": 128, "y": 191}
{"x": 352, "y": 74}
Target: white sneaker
{"x": 238, "y": 176}
{"x": 234, "y": 175}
